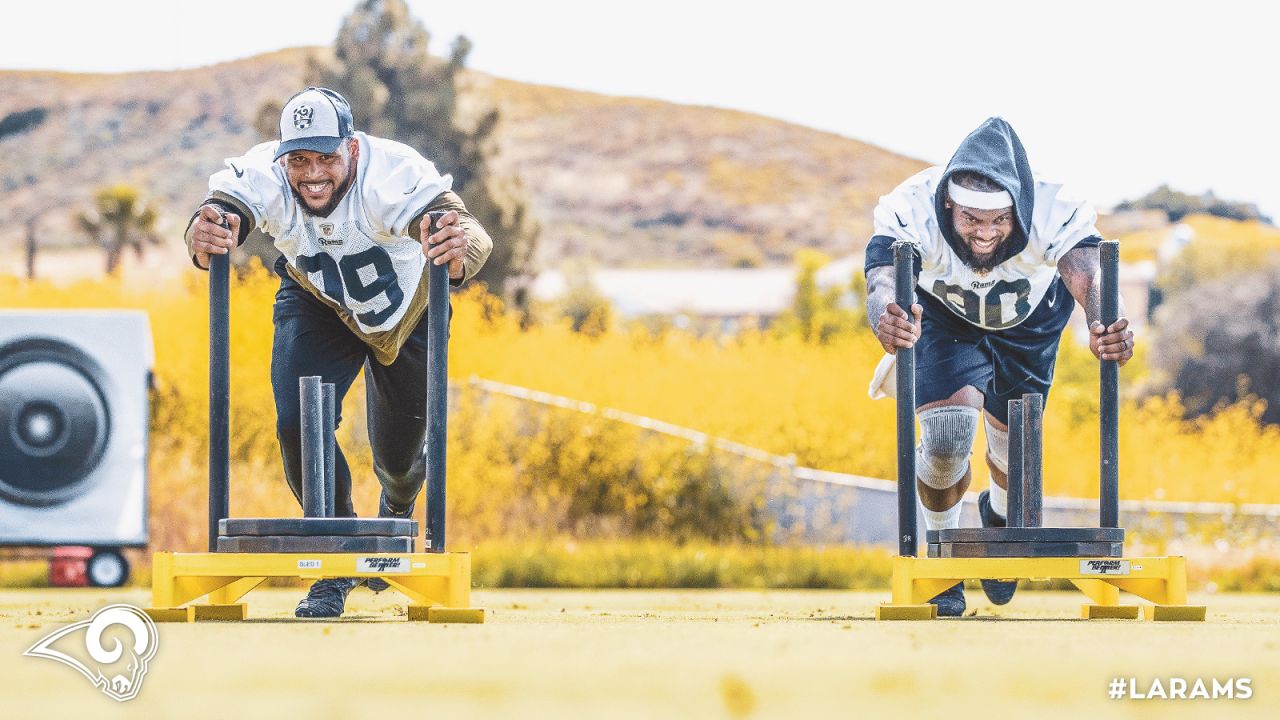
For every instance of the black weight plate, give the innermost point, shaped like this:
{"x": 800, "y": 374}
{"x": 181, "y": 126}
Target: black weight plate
{"x": 1025, "y": 550}
{"x": 315, "y": 544}
{"x": 387, "y": 527}
{"x": 1035, "y": 534}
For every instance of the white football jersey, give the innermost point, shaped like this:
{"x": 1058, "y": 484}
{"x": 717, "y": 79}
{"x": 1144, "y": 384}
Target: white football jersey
{"x": 1007, "y": 294}
{"x": 360, "y": 256}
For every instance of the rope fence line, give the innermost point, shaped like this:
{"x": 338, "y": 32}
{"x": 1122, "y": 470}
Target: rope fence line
{"x": 647, "y": 423}
{"x": 1207, "y": 510}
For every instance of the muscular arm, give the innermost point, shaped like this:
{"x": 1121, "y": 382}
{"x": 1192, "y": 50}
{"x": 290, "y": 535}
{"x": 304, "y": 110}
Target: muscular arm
{"x": 891, "y": 324}
{"x": 879, "y": 293}
{"x": 1081, "y": 270}
{"x": 479, "y": 244}
{"x": 1082, "y": 273}
{"x": 226, "y": 205}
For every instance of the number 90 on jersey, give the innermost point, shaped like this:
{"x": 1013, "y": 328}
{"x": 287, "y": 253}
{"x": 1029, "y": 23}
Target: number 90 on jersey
{"x": 1005, "y": 304}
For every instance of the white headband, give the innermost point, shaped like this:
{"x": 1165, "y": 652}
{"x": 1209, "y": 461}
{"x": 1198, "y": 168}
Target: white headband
{"x": 977, "y": 199}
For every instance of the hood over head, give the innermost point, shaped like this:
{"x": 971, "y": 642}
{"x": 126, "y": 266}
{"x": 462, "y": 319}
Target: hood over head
{"x": 994, "y": 150}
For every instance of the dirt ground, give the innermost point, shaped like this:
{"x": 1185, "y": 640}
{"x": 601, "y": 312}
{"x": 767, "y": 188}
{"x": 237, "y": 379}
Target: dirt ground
{"x": 654, "y": 654}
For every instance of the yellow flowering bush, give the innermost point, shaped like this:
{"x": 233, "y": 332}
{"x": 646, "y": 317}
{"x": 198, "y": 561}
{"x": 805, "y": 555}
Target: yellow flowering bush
{"x": 518, "y": 469}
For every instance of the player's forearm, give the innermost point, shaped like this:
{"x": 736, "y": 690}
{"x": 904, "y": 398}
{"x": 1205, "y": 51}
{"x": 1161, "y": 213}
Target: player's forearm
{"x": 479, "y": 244}
{"x": 226, "y": 204}
{"x": 880, "y": 282}
{"x": 1081, "y": 270}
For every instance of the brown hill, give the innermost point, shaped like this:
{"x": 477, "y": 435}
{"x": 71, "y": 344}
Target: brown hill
{"x": 636, "y": 181}
{"x": 162, "y": 131}
{"x": 617, "y": 181}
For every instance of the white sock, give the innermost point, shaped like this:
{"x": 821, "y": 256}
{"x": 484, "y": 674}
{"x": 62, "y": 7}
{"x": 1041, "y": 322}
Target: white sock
{"x": 943, "y": 520}
{"x": 999, "y": 499}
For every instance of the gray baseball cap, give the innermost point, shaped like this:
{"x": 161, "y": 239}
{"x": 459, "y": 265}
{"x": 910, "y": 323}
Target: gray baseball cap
{"x": 316, "y": 119}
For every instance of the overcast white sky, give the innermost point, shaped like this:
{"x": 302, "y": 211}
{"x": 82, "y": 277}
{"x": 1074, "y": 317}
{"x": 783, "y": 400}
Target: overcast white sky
{"x": 1114, "y": 97}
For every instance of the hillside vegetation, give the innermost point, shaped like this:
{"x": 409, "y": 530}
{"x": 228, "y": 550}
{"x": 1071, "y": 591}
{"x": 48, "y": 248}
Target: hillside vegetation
{"x": 615, "y": 181}
{"x": 635, "y": 181}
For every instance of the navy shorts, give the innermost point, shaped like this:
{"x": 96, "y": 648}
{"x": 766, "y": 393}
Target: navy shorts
{"x": 1001, "y": 364}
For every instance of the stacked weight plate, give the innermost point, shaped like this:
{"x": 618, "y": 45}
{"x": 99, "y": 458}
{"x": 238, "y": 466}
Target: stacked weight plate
{"x": 282, "y": 535}
{"x": 319, "y": 531}
{"x": 998, "y": 542}
{"x": 1025, "y": 537}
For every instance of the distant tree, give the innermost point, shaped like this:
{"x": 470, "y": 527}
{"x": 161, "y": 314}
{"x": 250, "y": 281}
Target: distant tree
{"x": 808, "y": 298}
{"x": 1219, "y": 341}
{"x": 266, "y": 122}
{"x": 583, "y": 304}
{"x": 120, "y": 219}
{"x": 1177, "y": 205}
{"x": 32, "y": 245}
{"x": 590, "y": 311}
{"x": 399, "y": 91}
{"x": 817, "y": 314}
{"x": 21, "y": 121}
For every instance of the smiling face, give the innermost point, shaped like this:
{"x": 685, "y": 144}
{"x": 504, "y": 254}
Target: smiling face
{"x": 982, "y": 234}
{"x": 320, "y": 180}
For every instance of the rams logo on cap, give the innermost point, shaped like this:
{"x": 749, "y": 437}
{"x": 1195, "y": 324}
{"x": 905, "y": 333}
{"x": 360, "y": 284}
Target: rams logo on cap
{"x": 302, "y": 116}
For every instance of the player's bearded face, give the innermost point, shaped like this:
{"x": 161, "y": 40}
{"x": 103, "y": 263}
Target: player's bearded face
{"x": 319, "y": 181}
{"x": 984, "y": 233}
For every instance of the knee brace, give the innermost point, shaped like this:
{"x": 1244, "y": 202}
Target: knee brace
{"x": 946, "y": 441}
{"x": 997, "y": 446}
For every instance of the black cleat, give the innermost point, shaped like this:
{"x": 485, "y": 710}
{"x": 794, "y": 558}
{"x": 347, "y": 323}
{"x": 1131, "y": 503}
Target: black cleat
{"x": 950, "y": 602}
{"x": 998, "y": 592}
{"x": 326, "y": 599}
{"x": 386, "y": 511}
